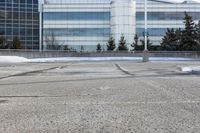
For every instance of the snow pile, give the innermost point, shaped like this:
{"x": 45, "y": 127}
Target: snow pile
{"x": 190, "y": 69}
{"x": 12, "y": 59}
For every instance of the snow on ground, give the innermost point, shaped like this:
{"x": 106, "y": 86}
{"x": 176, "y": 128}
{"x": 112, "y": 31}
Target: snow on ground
{"x": 66, "y": 59}
{"x": 190, "y": 69}
{"x": 13, "y": 59}
{"x": 17, "y": 59}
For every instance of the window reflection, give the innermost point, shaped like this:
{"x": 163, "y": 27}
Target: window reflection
{"x": 76, "y": 16}
{"x": 167, "y": 15}
{"x": 78, "y": 32}
{"x": 17, "y": 19}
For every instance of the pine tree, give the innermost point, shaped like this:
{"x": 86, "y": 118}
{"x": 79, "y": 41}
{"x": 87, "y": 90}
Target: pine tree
{"x": 197, "y": 38}
{"x": 178, "y": 33}
{"x": 122, "y": 44}
{"x": 2, "y": 42}
{"x": 170, "y": 40}
{"x": 66, "y": 47}
{"x": 198, "y": 31}
{"x": 111, "y": 44}
{"x": 98, "y": 47}
{"x": 135, "y": 43}
{"x": 82, "y": 48}
{"x": 149, "y": 44}
{"x": 16, "y": 43}
{"x": 187, "y": 42}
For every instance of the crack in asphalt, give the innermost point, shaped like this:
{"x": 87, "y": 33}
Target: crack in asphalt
{"x": 3, "y": 101}
{"x": 123, "y": 70}
{"x": 105, "y": 78}
{"x": 35, "y": 71}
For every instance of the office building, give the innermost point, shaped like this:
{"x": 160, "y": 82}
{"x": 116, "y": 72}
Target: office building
{"x": 82, "y": 24}
{"x": 20, "y": 18}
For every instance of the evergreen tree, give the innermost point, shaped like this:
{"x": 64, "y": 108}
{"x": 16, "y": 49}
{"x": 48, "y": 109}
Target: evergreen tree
{"x": 66, "y": 47}
{"x": 135, "y": 43}
{"x": 149, "y": 44}
{"x": 178, "y": 33}
{"x": 98, "y": 47}
{"x": 122, "y": 44}
{"x": 170, "y": 40}
{"x": 16, "y": 43}
{"x": 198, "y": 32}
{"x": 82, "y": 48}
{"x": 2, "y": 42}
{"x": 111, "y": 44}
{"x": 188, "y": 36}
{"x": 148, "y": 40}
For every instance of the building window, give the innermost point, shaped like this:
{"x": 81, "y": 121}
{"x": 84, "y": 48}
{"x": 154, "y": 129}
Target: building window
{"x": 76, "y": 16}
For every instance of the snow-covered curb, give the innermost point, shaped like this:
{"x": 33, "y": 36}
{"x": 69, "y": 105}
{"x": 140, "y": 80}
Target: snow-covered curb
{"x": 13, "y": 59}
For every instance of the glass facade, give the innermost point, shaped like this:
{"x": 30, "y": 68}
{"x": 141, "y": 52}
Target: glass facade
{"x": 166, "y": 15}
{"x": 162, "y": 15}
{"x": 80, "y": 26}
{"x": 152, "y": 31}
{"x": 77, "y": 16}
{"x": 78, "y": 32}
{"x": 20, "y": 18}
{"x": 89, "y": 22}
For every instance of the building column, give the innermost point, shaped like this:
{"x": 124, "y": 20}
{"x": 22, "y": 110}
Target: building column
{"x": 123, "y": 20}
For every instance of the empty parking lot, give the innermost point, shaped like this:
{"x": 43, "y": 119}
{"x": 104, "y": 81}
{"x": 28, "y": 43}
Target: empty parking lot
{"x": 101, "y": 97}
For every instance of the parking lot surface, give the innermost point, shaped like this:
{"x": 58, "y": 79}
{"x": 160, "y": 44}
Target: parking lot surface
{"x": 99, "y": 97}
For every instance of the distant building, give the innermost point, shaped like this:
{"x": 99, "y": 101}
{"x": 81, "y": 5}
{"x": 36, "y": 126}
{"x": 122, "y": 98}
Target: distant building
{"x": 20, "y": 18}
{"x": 85, "y": 23}
{"x": 163, "y": 15}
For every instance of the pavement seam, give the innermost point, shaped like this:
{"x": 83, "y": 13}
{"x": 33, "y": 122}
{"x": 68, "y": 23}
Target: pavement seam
{"x": 35, "y": 71}
{"x": 123, "y": 70}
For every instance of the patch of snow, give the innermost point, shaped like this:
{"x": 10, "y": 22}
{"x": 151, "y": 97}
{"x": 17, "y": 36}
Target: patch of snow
{"x": 66, "y": 59}
{"x": 12, "y": 59}
{"x": 190, "y": 69}
{"x": 171, "y": 59}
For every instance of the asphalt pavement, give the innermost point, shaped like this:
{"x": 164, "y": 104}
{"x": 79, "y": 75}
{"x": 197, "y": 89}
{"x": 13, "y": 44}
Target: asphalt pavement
{"x": 99, "y": 97}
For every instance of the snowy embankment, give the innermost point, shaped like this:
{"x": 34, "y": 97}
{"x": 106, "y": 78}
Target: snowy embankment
{"x": 13, "y": 59}
{"x": 16, "y": 59}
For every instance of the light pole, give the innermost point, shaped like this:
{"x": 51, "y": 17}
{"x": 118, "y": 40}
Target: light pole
{"x": 145, "y": 52}
{"x": 40, "y": 22}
